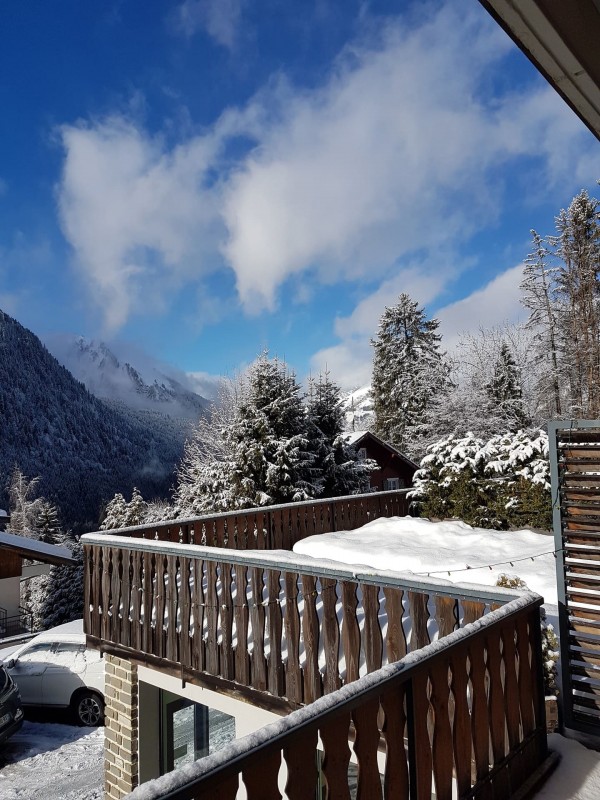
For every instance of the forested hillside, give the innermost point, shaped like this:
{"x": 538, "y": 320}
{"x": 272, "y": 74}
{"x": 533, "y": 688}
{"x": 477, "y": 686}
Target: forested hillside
{"x": 84, "y": 449}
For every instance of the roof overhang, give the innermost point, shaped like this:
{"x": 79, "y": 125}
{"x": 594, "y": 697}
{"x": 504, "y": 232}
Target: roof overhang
{"x": 36, "y": 550}
{"x": 562, "y": 39}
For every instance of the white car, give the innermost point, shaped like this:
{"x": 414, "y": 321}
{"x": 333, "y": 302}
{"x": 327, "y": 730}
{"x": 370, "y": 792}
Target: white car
{"x": 56, "y": 669}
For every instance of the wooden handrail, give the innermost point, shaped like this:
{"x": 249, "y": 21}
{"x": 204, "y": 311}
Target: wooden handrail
{"x": 467, "y": 710}
{"x": 275, "y": 527}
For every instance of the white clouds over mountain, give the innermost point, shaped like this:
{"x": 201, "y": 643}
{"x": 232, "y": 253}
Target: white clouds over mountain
{"x": 366, "y": 179}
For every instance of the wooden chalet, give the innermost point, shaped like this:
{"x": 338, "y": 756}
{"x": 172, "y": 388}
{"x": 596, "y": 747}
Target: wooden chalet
{"x": 394, "y": 469}
{"x": 22, "y": 558}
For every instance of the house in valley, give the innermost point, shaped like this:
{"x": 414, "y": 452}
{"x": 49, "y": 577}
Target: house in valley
{"x": 22, "y": 558}
{"x": 394, "y": 469}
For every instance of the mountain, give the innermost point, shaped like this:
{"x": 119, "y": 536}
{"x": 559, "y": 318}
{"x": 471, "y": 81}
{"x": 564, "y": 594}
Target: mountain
{"x": 358, "y": 407}
{"x": 83, "y": 448}
{"x": 145, "y": 386}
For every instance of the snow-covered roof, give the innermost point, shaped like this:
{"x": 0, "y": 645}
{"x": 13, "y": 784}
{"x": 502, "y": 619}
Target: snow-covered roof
{"x": 36, "y": 550}
{"x": 353, "y": 437}
{"x": 356, "y": 436}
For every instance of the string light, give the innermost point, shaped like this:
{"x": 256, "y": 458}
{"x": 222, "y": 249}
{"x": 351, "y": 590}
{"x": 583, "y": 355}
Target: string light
{"x": 490, "y": 566}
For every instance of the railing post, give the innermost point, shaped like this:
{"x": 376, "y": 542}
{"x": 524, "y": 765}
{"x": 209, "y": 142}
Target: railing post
{"x": 410, "y": 732}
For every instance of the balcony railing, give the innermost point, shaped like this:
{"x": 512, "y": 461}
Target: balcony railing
{"x": 15, "y": 624}
{"x": 464, "y": 716}
{"x": 276, "y": 527}
{"x": 296, "y": 628}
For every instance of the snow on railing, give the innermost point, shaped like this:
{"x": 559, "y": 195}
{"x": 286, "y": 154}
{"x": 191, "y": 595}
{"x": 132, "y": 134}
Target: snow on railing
{"x": 464, "y": 716}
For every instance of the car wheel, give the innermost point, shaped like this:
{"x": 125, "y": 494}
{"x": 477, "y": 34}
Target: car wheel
{"x": 89, "y": 709}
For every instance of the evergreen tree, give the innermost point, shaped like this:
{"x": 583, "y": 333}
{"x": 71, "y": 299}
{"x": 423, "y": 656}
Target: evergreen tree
{"x": 409, "y": 373}
{"x": 115, "y": 513}
{"x": 577, "y": 245}
{"x": 270, "y": 460}
{"x": 25, "y": 506}
{"x": 505, "y": 394}
{"x": 337, "y": 466}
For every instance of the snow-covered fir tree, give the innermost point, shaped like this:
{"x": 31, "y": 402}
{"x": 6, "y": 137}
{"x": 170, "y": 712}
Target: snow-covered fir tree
{"x": 25, "y": 505}
{"x": 499, "y": 483}
{"x": 270, "y": 460}
{"x": 410, "y": 374}
{"x": 122, "y": 514}
{"x": 505, "y": 392}
{"x": 338, "y": 469}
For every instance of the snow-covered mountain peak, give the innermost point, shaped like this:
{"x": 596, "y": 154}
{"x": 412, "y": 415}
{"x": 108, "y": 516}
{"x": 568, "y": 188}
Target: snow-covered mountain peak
{"x": 146, "y": 385}
{"x": 358, "y": 407}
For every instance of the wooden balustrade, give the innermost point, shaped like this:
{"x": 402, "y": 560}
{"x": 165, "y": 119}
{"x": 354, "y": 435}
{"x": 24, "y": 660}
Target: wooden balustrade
{"x": 294, "y": 628}
{"x": 464, "y": 717}
{"x": 276, "y": 527}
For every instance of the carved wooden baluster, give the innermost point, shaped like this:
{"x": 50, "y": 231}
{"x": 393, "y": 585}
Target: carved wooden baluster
{"x": 257, "y": 619}
{"x": 336, "y": 756}
{"x": 227, "y": 670}
{"x": 419, "y": 741}
{"x": 525, "y": 678}
{"x": 260, "y": 777}
{"x": 171, "y": 606}
{"x": 419, "y": 614}
{"x": 212, "y": 619}
{"x": 136, "y": 601}
{"x": 275, "y": 623}
{"x": 301, "y": 759}
{"x": 310, "y": 635}
{"x": 107, "y": 568}
{"x": 185, "y": 612}
{"x": 395, "y": 639}
{"x": 496, "y": 694}
{"x": 331, "y": 636}
{"x": 365, "y": 747}
{"x": 511, "y": 690}
{"x": 446, "y": 613}
{"x": 149, "y": 593}
{"x": 293, "y": 675}
{"x": 373, "y": 641}
{"x": 125, "y": 609}
{"x": 227, "y": 789}
{"x": 159, "y": 629}
{"x": 261, "y": 522}
{"x": 442, "y": 753}
{"x": 219, "y": 532}
{"x": 461, "y": 728}
{"x": 198, "y": 608}
{"x": 472, "y": 611}
{"x": 350, "y": 631}
{"x": 242, "y": 663}
{"x": 116, "y": 593}
{"x": 479, "y": 710}
{"x": 394, "y": 724}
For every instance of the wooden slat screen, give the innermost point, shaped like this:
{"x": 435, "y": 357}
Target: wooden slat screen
{"x": 575, "y": 469}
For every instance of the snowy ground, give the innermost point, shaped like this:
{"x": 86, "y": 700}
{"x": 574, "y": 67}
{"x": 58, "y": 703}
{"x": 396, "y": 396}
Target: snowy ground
{"x": 52, "y": 761}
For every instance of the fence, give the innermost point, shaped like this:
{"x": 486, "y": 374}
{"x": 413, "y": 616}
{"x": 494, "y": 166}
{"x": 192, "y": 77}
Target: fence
{"x": 464, "y": 716}
{"x": 276, "y": 527}
{"x": 575, "y": 471}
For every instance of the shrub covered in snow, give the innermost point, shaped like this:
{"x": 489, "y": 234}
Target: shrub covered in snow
{"x": 502, "y": 483}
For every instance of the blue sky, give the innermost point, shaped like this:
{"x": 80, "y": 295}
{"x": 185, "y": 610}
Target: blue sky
{"x": 209, "y": 178}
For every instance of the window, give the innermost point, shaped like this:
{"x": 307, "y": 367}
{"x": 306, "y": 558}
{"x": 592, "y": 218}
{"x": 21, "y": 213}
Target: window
{"x": 362, "y": 453}
{"x": 190, "y": 731}
{"x": 391, "y": 483}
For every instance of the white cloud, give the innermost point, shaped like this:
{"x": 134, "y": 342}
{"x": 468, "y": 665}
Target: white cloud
{"x": 220, "y": 19}
{"x": 495, "y": 304}
{"x": 391, "y": 161}
{"x": 135, "y": 213}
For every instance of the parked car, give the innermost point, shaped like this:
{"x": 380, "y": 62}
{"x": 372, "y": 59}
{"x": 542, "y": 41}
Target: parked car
{"x": 11, "y": 711}
{"x": 56, "y": 669}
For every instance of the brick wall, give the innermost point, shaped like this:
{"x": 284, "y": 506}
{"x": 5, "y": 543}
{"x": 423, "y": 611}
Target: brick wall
{"x": 121, "y": 728}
